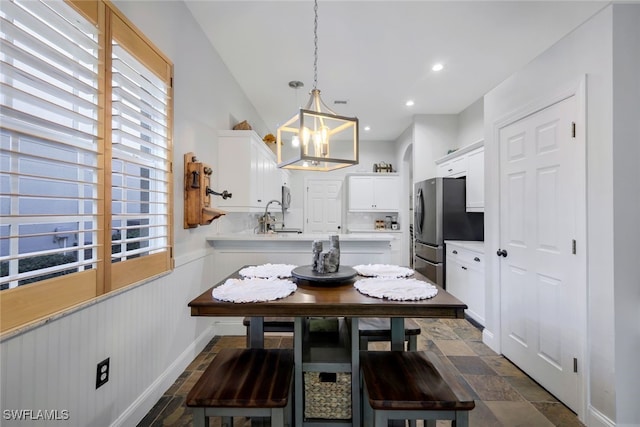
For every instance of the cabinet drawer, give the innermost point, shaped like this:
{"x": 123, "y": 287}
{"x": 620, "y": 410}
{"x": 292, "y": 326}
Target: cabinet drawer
{"x": 465, "y": 256}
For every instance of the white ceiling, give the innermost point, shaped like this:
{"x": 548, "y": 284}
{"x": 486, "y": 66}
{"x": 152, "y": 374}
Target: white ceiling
{"x": 378, "y": 54}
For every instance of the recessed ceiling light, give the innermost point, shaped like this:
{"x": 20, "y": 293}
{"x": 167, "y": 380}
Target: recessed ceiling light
{"x": 437, "y": 67}
{"x": 367, "y": 128}
{"x": 409, "y": 103}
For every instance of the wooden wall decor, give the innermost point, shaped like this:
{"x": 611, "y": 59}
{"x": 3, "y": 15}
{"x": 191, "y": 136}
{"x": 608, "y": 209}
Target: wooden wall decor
{"x": 197, "y": 193}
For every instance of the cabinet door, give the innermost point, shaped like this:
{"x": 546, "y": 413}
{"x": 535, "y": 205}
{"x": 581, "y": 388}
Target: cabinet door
{"x": 235, "y": 172}
{"x": 442, "y": 169}
{"x": 456, "y": 279}
{"x": 475, "y": 283}
{"x": 361, "y": 196}
{"x": 386, "y": 190}
{"x": 475, "y": 180}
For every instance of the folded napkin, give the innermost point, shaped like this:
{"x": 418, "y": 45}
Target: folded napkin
{"x": 267, "y": 271}
{"x": 253, "y": 290}
{"x": 383, "y": 270}
{"x": 396, "y": 289}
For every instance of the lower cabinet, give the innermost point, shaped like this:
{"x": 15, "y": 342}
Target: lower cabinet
{"x": 465, "y": 276}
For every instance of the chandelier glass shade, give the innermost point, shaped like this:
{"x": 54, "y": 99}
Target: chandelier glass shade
{"x": 317, "y": 138}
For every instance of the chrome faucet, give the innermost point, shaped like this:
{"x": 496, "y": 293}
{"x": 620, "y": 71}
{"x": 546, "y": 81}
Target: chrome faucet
{"x": 266, "y": 222}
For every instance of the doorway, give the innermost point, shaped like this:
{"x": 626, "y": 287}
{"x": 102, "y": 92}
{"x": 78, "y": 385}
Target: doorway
{"x": 543, "y": 247}
{"x": 323, "y": 205}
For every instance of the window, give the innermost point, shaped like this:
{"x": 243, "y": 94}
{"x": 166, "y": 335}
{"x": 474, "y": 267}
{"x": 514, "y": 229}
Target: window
{"x": 85, "y": 155}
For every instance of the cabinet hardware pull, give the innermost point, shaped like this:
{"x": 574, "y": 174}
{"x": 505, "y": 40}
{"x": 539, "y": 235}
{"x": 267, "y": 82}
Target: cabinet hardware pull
{"x": 455, "y": 252}
{"x": 502, "y": 252}
{"x": 476, "y": 259}
{"x": 464, "y": 268}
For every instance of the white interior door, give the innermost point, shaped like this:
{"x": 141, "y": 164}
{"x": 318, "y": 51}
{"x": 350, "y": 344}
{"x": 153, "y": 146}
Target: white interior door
{"x": 323, "y": 206}
{"x": 542, "y": 281}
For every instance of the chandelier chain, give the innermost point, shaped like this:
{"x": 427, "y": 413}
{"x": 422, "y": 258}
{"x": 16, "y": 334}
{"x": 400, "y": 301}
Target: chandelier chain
{"x": 315, "y": 43}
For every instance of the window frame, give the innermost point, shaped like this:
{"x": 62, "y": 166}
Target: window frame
{"x": 34, "y": 303}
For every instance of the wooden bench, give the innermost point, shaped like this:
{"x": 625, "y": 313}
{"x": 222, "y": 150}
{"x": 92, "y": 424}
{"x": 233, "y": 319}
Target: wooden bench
{"x": 244, "y": 383}
{"x": 412, "y": 385}
{"x": 371, "y": 329}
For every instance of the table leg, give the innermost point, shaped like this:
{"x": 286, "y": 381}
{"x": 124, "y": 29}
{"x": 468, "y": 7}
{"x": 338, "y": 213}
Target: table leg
{"x": 355, "y": 372}
{"x": 397, "y": 344}
{"x": 256, "y": 335}
{"x": 298, "y": 410}
{"x": 256, "y": 332}
{"x": 397, "y": 333}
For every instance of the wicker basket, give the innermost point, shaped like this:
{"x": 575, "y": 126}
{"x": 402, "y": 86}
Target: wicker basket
{"x": 327, "y": 395}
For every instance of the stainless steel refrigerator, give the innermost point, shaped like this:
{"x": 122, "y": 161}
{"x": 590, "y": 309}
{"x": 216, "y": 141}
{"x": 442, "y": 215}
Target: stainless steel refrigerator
{"x": 440, "y": 214}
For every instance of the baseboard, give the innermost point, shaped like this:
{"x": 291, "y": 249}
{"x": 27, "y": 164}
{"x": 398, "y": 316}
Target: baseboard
{"x": 143, "y": 404}
{"x": 490, "y": 340}
{"x": 596, "y": 418}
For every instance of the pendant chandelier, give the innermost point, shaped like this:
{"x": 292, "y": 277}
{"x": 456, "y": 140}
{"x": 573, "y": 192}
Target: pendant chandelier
{"x": 317, "y": 138}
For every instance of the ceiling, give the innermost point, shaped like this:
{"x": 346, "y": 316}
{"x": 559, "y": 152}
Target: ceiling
{"x": 376, "y": 55}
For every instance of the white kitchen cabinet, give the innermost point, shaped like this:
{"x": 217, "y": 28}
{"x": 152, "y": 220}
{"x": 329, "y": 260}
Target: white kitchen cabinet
{"x": 475, "y": 180}
{"x": 466, "y": 162}
{"x": 453, "y": 168}
{"x": 465, "y": 276}
{"x": 247, "y": 169}
{"x": 371, "y": 193}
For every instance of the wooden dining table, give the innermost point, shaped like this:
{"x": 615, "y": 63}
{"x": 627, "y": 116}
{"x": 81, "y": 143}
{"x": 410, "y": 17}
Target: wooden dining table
{"x": 340, "y": 300}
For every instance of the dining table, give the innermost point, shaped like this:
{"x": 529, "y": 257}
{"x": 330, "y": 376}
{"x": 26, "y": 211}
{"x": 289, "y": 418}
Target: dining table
{"x": 338, "y": 299}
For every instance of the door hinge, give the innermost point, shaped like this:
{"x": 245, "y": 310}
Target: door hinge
{"x": 575, "y": 365}
{"x": 573, "y": 129}
{"x": 573, "y": 246}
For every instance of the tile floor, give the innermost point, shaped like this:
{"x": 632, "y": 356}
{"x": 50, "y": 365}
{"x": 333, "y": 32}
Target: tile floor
{"x": 505, "y": 396}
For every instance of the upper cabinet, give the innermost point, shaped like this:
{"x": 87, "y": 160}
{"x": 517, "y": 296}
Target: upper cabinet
{"x": 374, "y": 192}
{"x": 246, "y": 168}
{"x": 467, "y": 162}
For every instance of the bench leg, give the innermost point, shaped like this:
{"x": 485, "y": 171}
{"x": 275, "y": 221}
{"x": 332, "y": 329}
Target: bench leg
{"x": 277, "y": 417}
{"x": 462, "y": 419}
{"x": 364, "y": 343}
{"x": 226, "y": 422}
{"x": 413, "y": 343}
{"x": 200, "y": 419}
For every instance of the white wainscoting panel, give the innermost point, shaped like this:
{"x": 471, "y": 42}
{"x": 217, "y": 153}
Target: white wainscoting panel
{"x": 147, "y": 332}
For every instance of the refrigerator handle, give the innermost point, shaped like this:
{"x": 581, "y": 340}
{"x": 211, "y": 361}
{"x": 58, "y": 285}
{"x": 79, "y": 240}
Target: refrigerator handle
{"x": 419, "y": 210}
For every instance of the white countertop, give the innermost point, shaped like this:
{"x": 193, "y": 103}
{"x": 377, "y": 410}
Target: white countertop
{"x": 373, "y": 236}
{"x": 475, "y": 246}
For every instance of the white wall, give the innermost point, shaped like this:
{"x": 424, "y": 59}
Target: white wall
{"x": 146, "y": 331}
{"x": 471, "y": 124}
{"x": 433, "y": 136}
{"x": 611, "y": 280}
{"x": 626, "y": 209}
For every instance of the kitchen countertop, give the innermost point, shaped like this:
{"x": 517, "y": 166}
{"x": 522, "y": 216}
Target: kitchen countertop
{"x": 304, "y": 237}
{"x": 475, "y": 246}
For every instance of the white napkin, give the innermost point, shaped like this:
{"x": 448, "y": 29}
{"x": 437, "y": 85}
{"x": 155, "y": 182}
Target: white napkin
{"x": 253, "y": 290}
{"x": 267, "y": 271}
{"x": 396, "y": 289}
{"x": 383, "y": 270}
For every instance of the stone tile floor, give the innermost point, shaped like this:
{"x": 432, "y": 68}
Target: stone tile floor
{"x": 505, "y": 396}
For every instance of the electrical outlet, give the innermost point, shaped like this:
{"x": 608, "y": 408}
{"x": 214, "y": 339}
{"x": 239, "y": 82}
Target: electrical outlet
{"x": 102, "y": 373}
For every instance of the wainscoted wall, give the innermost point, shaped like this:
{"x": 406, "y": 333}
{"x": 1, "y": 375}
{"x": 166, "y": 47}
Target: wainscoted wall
{"x": 147, "y": 332}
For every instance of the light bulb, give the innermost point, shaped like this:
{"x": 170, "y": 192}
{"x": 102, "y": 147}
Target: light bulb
{"x": 295, "y": 141}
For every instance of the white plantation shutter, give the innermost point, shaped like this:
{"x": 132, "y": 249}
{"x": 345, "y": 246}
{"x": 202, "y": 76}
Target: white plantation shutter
{"x": 49, "y": 144}
{"x": 141, "y": 173}
{"x": 140, "y": 165}
{"x": 85, "y": 156}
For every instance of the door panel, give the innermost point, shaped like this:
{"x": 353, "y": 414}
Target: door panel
{"x": 323, "y": 206}
{"x": 537, "y": 211}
